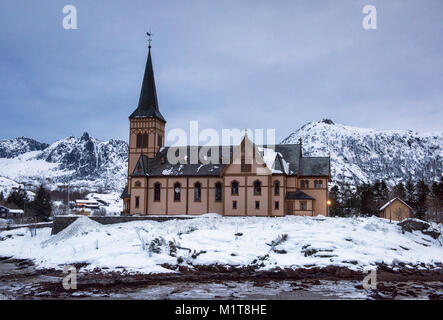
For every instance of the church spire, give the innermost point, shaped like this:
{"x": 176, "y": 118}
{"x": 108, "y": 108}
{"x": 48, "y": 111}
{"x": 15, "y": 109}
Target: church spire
{"x": 148, "y": 103}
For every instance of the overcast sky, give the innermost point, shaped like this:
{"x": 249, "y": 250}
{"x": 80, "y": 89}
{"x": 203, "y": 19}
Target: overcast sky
{"x": 227, "y": 64}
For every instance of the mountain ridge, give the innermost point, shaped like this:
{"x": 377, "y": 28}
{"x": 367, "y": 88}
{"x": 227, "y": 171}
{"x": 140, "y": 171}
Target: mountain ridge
{"x": 362, "y": 155}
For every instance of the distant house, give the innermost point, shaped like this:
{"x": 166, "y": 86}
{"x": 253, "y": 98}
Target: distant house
{"x": 395, "y": 209}
{"x": 11, "y": 214}
{"x": 86, "y": 206}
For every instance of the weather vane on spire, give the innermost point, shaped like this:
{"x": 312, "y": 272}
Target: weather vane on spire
{"x": 149, "y": 34}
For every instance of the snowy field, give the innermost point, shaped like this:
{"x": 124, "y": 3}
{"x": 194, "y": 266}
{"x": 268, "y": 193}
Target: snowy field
{"x": 288, "y": 242}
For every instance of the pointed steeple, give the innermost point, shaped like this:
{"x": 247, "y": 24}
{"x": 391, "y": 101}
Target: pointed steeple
{"x": 148, "y": 104}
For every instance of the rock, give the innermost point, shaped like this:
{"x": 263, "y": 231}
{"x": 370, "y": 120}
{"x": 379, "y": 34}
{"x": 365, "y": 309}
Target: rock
{"x": 410, "y": 225}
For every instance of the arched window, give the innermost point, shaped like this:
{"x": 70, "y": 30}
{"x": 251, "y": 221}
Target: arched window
{"x": 197, "y": 191}
{"x": 139, "y": 140}
{"x": 137, "y": 184}
{"x": 218, "y": 191}
{"x": 304, "y": 184}
{"x": 234, "y": 188}
{"x": 318, "y": 184}
{"x": 257, "y": 188}
{"x": 157, "y": 188}
{"x": 145, "y": 140}
{"x": 276, "y": 188}
{"x": 177, "y": 191}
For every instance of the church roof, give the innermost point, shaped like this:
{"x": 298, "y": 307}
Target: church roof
{"x": 298, "y": 195}
{"x": 287, "y": 161}
{"x": 148, "y": 103}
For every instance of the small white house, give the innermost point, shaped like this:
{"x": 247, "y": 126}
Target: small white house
{"x": 11, "y": 214}
{"x": 86, "y": 206}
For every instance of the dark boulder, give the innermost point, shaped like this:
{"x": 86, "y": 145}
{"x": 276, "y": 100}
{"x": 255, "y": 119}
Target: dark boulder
{"x": 410, "y": 225}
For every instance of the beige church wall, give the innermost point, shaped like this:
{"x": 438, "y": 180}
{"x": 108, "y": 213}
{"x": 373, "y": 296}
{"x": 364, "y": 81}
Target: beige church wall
{"x": 280, "y": 198}
{"x": 215, "y": 206}
{"x": 157, "y": 207}
{"x": 291, "y": 184}
{"x": 138, "y": 192}
{"x": 398, "y": 211}
{"x": 307, "y": 212}
{"x": 240, "y": 211}
{"x": 320, "y": 203}
{"x": 198, "y": 207}
{"x": 176, "y": 207}
{"x": 251, "y": 198}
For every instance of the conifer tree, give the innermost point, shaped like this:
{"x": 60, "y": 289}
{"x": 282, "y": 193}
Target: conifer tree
{"x": 399, "y": 191}
{"x": 410, "y": 194}
{"x": 422, "y": 198}
{"x": 335, "y": 201}
{"x": 41, "y": 206}
{"x": 18, "y": 197}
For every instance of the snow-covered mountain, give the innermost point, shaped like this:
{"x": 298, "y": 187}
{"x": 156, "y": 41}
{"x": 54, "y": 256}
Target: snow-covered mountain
{"x": 85, "y": 163}
{"x": 363, "y": 155}
{"x": 15, "y": 147}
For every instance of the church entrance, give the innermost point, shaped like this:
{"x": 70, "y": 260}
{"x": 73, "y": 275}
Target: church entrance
{"x": 289, "y": 207}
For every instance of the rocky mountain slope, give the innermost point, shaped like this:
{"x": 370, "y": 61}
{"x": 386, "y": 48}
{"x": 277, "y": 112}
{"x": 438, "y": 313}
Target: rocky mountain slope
{"x": 15, "y": 147}
{"x": 83, "y": 163}
{"x": 362, "y": 155}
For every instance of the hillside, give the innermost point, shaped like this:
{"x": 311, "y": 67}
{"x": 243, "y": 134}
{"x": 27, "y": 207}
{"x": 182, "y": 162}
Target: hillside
{"x": 361, "y": 155}
{"x": 85, "y": 163}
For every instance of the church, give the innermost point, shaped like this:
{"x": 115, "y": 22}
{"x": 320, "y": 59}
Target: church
{"x": 246, "y": 180}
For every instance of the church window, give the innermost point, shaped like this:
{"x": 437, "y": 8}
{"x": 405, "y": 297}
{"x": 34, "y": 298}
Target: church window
{"x": 257, "y": 188}
{"x": 139, "y": 140}
{"x": 157, "y": 188}
{"x": 218, "y": 191}
{"x": 197, "y": 191}
{"x": 234, "y": 188}
{"x": 145, "y": 140}
{"x": 177, "y": 191}
{"x": 276, "y": 188}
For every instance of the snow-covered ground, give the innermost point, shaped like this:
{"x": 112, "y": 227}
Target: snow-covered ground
{"x": 143, "y": 246}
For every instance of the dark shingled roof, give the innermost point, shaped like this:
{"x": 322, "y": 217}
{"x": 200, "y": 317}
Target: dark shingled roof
{"x": 148, "y": 104}
{"x": 314, "y": 166}
{"x": 288, "y": 154}
{"x": 125, "y": 193}
{"x": 298, "y": 195}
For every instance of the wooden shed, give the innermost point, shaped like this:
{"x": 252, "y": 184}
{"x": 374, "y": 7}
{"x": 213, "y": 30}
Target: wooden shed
{"x": 396, "y": 209}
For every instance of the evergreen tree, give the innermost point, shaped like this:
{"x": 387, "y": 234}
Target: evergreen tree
{"x": 410, "y": 194}
{"x": 2, "y": 198}
{"x": 18, "y": 197}
{"x": 41, "y": 206}
{"x": 335, "y": 201}
{"x": 366, "y": 195}
{"x": 435, "y": 203}
{"x": 399, "y": 191}
{"x": 422, "y": 198}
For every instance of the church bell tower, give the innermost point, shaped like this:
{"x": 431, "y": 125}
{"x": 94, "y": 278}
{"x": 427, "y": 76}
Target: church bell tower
{"x": 147, "y": 125}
